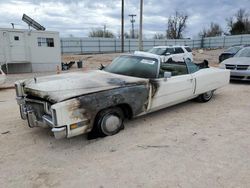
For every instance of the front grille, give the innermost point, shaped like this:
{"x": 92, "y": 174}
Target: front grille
{"x": 231, "y": 67}
{"x": 237, "y": 77}
{"x": 242, "y": 67}
{"x": 38, "y": 109}
{"x": 237, "y": 67}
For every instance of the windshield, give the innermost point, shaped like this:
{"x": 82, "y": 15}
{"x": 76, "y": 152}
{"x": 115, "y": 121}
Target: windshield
{"x": 142, "y": 67}
{"x": 233, "y": 50}
{"x": 245, "y": 52}
{"x": 158, "y": 51}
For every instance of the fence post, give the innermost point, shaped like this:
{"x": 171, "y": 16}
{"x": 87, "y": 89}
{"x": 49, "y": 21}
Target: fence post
{"x": 202, "y": 42}
{"x": 209, "y": 42}
{"x": 241, "y": 39}
{"x": 154, "y": 42}
{"x": 129, "y": 45}
{"x": 224, "y": 41}
{"x": 193, "y": 43}
{"x": 99, "y": 44}
{"x": 61, "y": 46}
{"x": 81, "y": 45}
{"x": 115, "y": 45}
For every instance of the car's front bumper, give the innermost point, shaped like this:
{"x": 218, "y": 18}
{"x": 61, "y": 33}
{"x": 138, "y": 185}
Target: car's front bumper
{"x": 240, "y": 75}
{"x": 27, "y": 113}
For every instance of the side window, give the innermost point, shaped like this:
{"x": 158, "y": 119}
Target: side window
{"x": 188, "y": 49}
{"x": 176, "y": 68}
{"x": 191, "y": 67}
{"x": 16, "y": 37}
{"x": 179, "y": 50}
{"x": 170, "y": 50}
{"x": 45, "y": 42}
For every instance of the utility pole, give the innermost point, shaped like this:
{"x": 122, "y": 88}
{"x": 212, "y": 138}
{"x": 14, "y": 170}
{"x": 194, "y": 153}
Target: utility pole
{"x": 132, "y": 20}
{"x": 122, "y": 27}
{"x": 140, "y": 33}
{"x": 104, "y": 30}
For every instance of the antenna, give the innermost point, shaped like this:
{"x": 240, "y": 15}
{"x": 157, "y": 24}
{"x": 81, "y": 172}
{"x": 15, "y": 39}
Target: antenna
{"x": 32, "y": 23}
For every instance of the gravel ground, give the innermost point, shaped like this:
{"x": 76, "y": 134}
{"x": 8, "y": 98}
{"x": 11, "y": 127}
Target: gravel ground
{"x": 187, "y": 145}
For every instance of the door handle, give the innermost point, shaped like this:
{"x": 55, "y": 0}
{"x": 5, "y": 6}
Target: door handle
{"x": 190, "y": 79}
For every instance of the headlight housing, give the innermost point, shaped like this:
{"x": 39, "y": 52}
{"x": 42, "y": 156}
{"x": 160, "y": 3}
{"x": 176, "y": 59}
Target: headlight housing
{"x": 54, "y": 117}
{"x": 222, "y": 66}
{"x": 19, "y": 89}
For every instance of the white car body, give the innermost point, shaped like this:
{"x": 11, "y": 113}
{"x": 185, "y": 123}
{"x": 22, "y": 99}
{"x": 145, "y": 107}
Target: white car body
{"x": 2, "y": 77}
{"x": 76, "y": 99}
{"x": 177, "y": 53}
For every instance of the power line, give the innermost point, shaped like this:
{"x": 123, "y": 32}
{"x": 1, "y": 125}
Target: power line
{"x": 132, "y": 20}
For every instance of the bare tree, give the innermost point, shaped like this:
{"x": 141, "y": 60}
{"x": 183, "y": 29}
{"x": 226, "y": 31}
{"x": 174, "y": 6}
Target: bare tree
{"x": 159, "y": 36}
{"x": 101, "y": 33}
{"x": 176, "y": 25}
{"x": 239, "y": 23}
{"x": 214, "y": 30}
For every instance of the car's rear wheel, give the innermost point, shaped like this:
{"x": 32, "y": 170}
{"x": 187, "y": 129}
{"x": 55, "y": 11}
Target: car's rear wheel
{"x": 205, "y": 97}
{"x": 109, "y": 121}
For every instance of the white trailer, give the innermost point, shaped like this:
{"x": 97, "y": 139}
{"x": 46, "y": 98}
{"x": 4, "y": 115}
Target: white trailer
{"x": 23, "y": 50}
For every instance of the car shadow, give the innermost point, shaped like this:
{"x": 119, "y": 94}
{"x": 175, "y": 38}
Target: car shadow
{"x": 83, "y": 140}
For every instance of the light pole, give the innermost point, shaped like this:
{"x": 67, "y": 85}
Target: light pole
{"x": 140, "y": 33}
{"x": 122, "y": 27}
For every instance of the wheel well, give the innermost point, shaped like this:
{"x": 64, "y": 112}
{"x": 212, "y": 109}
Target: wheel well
{"x": 127, "y": 110}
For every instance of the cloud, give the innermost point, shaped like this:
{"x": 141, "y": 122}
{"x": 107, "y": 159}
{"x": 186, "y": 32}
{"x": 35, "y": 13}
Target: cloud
{"x": 78, "y": 17}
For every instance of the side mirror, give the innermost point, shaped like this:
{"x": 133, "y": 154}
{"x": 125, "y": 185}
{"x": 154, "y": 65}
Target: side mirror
{"x": 167, "y": 75}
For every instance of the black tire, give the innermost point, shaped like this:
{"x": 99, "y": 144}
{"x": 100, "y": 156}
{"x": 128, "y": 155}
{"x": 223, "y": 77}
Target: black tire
{"x": 205, "y": 97}
{"x": 109, "y": 121}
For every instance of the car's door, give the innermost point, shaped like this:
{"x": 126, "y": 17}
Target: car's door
{"x": 178, "y": 88}
{"x": 179, "y": 54}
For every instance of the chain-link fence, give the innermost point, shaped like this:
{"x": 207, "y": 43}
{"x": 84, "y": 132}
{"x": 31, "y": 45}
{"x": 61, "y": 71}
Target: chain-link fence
{"x": 74, "y": 45}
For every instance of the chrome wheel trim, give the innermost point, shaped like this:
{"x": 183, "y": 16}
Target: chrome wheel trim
{"x": 110, "y": 124}
{"x": 208, "y": 95}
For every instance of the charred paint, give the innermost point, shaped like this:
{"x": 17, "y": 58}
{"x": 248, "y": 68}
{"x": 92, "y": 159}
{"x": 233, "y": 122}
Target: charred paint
{"x": 155, "y": 86}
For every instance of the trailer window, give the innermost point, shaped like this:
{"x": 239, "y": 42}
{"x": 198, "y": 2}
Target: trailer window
{"x": 45, "y": 42}
{"x": 16, "y": 37}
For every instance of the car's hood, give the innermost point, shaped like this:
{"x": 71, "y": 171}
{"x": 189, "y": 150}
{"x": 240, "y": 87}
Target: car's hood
{"x": 237, "y": 61}
{"x": 60, "y": 87}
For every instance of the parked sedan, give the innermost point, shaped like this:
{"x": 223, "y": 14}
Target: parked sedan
{"x": 230, "y": 52}
{"x": 239, "y": 65}
{"x": 97, "y": 101}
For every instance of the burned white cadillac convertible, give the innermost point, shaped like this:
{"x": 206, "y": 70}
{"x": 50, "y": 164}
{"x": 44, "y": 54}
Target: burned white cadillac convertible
{"x": 99, "y": 100}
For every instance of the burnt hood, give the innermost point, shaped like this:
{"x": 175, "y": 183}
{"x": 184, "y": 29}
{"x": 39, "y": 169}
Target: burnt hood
{"x": 61, "y": 87}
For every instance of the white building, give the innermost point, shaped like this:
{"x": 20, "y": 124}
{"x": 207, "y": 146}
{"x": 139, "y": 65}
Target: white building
{"x": 29, "y": 50}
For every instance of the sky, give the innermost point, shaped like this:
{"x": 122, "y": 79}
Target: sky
{"x": 78, "y": 17}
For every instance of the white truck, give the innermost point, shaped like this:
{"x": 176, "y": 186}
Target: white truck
{"x": 177, "y": 53}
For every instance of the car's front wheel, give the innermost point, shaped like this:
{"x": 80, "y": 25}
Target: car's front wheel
{"x": 109, "y": 121}
{"x": 205, "y": 97}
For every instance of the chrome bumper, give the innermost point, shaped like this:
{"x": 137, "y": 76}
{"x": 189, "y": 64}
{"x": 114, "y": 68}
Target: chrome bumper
{"x": 27, "y": 113}
{"x": 240, "y": 74}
